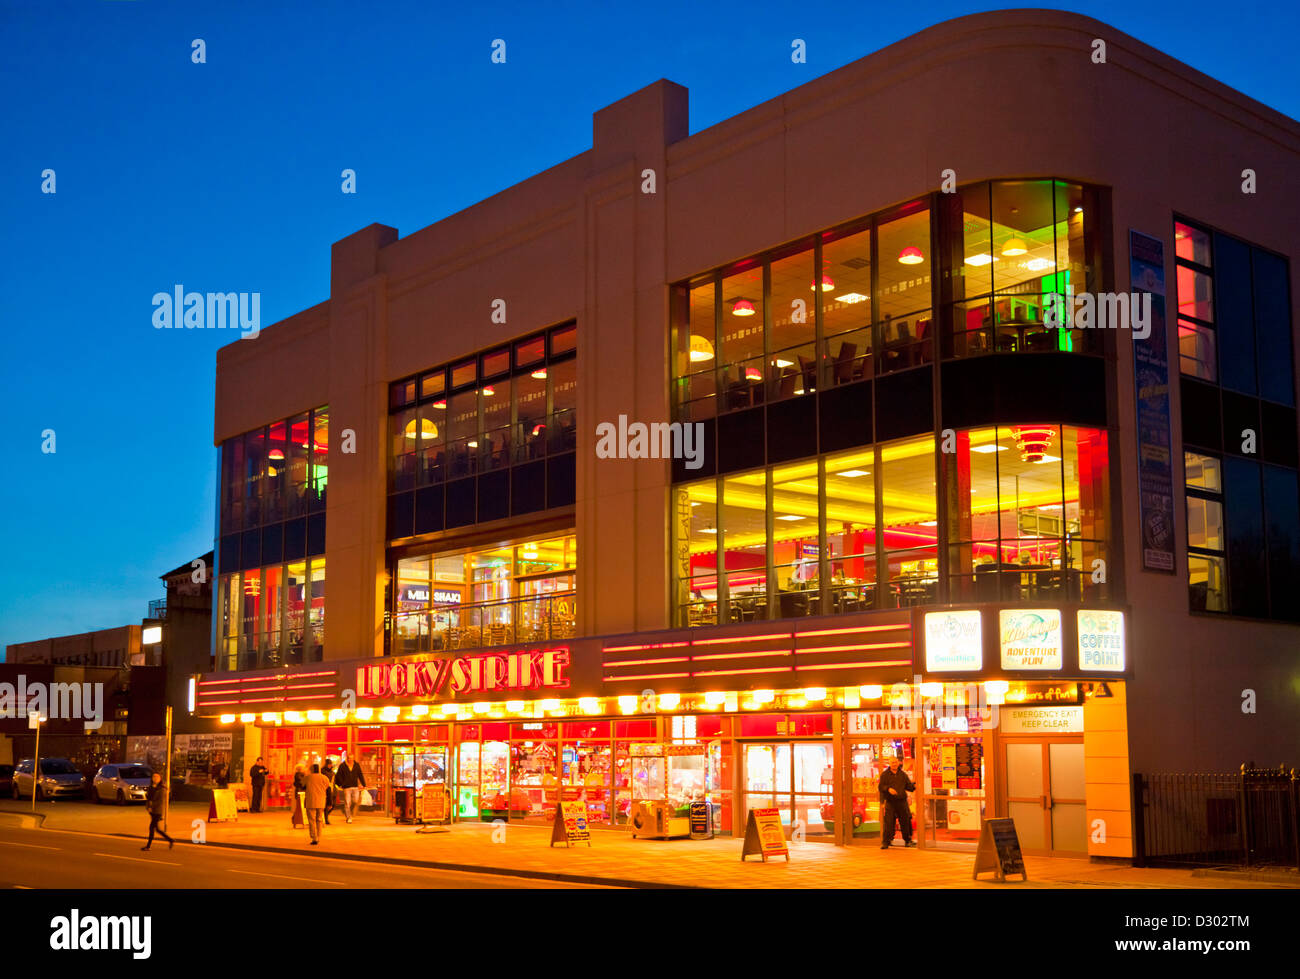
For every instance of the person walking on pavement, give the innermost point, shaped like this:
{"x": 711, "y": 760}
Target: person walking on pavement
{"x": 156, "y": 795}
{"x": 327, "y": 770}
{"x": 351, "y": 780}
{"x": 297, "y": 804}
{"x": 894, "y": 786}
{"x": 318, "y": 787}
{"x": 257, "y": 778}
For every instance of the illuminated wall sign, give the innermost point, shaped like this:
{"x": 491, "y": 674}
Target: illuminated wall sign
{"x": 884, "y": 722}
{"x": 1030, "y": 639}
{"x": 1041, "y": 720}
{"x": 417, "y": 594}
{"x": 953, "y": 641}
{"x": 532, "y": 670}
{"x": 1101, "y": 640}
{"x": 446, "y": 596}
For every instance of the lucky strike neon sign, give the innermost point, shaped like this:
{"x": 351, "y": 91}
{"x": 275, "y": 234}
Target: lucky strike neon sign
{"x": 532, "y": 670}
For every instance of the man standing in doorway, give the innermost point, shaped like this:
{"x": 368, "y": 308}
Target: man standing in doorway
{"x": 894, "y": 786}
{"x": 257, "y": 779}
{"x": 351, "y": 780}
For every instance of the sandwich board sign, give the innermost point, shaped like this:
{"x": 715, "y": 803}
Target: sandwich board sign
{"x": 570, "y": 824}
{"x": 765, "y": 836}
{"x": 999, "y": 850}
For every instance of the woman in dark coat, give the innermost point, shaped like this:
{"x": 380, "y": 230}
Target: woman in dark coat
{"x": 157, "y": 804}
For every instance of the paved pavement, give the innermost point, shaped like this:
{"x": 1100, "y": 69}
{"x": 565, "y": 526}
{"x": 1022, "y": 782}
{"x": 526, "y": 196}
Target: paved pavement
{"x": 613, "y": 857}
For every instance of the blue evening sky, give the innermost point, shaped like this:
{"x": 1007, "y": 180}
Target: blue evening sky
{"x": 225, "y": 176}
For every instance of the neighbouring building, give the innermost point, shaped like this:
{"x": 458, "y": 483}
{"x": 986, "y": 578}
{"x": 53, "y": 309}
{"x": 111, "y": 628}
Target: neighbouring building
{"x": 937, "y": 511}
{"x": 119, "y": 646}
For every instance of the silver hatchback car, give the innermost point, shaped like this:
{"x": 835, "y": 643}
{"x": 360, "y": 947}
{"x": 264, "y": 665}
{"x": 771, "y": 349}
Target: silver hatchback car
{"x": 122, "y": 783}
{"x": 59, "y": 780}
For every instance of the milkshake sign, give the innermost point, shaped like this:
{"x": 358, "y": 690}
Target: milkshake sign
{"x": 1030, "y": 639}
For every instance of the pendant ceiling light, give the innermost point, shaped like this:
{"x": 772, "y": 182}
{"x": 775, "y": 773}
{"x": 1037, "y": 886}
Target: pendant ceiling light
{"x": 828, "y": 284}
{"x": 428, "y": 430}
{"x": 701, "y": 349}
{"x": 743, "y": 307}
{"x": 276, "y": 455}
{"x": 539, "y": 374}
{"x": 911, "y": 255}
{"x": 1033, "y": 441}
{"x": 1013, "y": 247}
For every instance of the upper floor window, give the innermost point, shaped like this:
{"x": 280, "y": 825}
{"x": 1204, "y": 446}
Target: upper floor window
{"x": 973, "y": 272}
{"x": 275, "y": 473}
{"x": 504, "y": 406}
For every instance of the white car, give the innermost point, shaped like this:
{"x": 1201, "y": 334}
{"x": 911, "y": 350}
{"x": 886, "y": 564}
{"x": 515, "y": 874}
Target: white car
{"x": 122, "y": 783}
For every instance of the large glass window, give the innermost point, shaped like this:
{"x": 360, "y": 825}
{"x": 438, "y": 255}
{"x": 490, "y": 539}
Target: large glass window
{"x": 1012, "y": 250}
{"x": 846, "y": 308}
{"x": 1028, "y": 513}
{"x": 910, "y": 529}
{"x": 793, "y": 334}
{"x": 850, "y": 529}
{"x": 272, "y": 616}
{"x": 489, "y": 596}
{"x": 903, "y": 318}
{"x": 500, "y": 408}
{"x": 744, "y": 537}
{"x": 741, "y": 358}
{"x": 695, "y": 344}
{"x": 695, "y": 548}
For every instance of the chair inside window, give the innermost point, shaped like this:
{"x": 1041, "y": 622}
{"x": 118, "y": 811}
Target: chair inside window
{"x": 808, "y": 368}
{"x": 844, "y": 363}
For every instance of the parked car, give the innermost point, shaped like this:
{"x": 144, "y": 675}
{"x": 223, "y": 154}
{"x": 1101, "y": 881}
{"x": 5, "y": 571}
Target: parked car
{"x": 59, "y": 779}
{"x": 122, "y": 783}
{"x": 6, "y": 780}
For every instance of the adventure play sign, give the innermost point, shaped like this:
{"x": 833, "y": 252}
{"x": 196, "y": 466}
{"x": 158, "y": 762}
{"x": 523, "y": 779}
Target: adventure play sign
{"x": 534, "y": 669}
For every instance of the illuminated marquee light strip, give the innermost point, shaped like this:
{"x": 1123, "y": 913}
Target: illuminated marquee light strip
{"x": 864, "y": 628}
{"x": 761, "y": 669}
{"x": 649, "y": 676}
{"x": 811, "y": 667}
{"x": 730, "y": 639}
{"x": 761, "y": 652}
{"x": 847, "y": 649}
{"x": 642, "y": 646}
{"x": 282, "y": 677}
{"x": 646, "y": 662}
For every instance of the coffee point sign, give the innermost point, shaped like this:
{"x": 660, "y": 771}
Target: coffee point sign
{"x": 534, "y": 669}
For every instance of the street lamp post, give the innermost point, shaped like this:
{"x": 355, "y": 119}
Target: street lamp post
{"x": 34, "y": 720}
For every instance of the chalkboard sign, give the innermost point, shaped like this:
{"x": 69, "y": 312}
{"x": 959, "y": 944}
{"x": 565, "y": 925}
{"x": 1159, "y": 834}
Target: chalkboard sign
{"x": 701, "y": 823}
{"x": 999, "y": 850}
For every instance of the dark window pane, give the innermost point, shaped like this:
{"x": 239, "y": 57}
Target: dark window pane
{"x": 1235, "y": 317}
{"x": 401, "y": 515}
{"x": 1195, "y": 294}
{"x": 250, "y": 549}
{"x": 428, "y": 509}
{"x": 1273, "y": 328}
{"x": 401, "y": 393}
{"x": 433, "y": 383}
{"x": 273, "y": 544}
{"x": 496, "y": 362}
{"x": 316, "y": 534}
{"x": 1282, "y": 510}
{"x": 564, "y": 339}
{"x": 1246, "y": 581}
{"x": 295, "y": 540}
{"x": 530, "y": 351}
{"x": 561, "y": 480}
{"x": 1191, "y": 243}
{"x": 464, "y": 373}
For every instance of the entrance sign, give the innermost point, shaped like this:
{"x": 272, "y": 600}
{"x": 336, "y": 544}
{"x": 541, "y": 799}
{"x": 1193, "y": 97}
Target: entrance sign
{"x": 883, "y": 722}
{"x": 1041, "y": 720}
{"x": 701, "y": 816}
{"x": 953, "y": 641}
{"x": 222, "y": 807}
{"x": 1030, "y": 639}
{"x": 570, "y": 824}
{"x": 999, "y": 850}
{"x": 1101, "y": 640}
{"x": 764, "y": 835}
